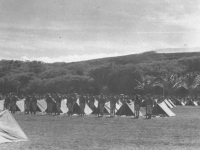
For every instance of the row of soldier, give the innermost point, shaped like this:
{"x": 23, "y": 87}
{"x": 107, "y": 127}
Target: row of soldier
{"x": 54, "y": 102}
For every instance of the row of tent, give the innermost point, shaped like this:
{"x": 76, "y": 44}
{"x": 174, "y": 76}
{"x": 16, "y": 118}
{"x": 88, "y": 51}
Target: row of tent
{"x": 125, "y": 109}
{"x": 186, "y": 103}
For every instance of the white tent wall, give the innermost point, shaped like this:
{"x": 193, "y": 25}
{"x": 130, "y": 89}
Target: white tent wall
{"x": 20, "y": 104}
{"x": 95, "y": 103}
{"x": 168, "y": 104}
{"x": 87, "y": 110}
{"x": 64, "y": 108}
{"x": 171, "y": 103}
{"x": 118, "y": 105}
{"x": 182, "y": 103}
{"x": 10, "y": 131}
{"x": 195, "y": 103}
{"x": 2, "y": 104}
{"x": 166, "y": 109}
{"x": 42, "y": 104}
{"x": 78, "y": 102}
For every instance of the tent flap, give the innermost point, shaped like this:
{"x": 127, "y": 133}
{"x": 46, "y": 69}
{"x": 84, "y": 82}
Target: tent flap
{"x": 162, "y": 108}
{"x": 42, "y": 104}
{"x": 10, "y": 131}
{"x": 20, "y": 105}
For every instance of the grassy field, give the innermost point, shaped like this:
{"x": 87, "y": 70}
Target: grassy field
{"x": 92, "y": 133}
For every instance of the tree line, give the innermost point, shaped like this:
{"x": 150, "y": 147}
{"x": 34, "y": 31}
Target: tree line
{"x": 150, "y": 72}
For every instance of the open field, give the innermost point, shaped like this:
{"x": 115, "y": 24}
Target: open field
{"x": 92, "y": 133}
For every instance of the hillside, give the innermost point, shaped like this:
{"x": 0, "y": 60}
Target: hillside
{"x": 114, "y": 74}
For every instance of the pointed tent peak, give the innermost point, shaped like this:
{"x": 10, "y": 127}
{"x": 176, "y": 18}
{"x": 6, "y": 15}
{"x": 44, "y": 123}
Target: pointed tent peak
{"x": 10, "y": 131}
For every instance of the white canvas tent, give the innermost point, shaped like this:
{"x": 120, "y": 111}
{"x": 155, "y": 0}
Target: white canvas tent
{"x": 162, "y": 109}
{"x": 10, "y": 131}
{"x": 127, "y": 110}
{"x": 107, "y": 107}
{"x": 42, "y": 104}
{"x": 182, "y": 103}
{"x": 118, "y": 105}
{"x": 87, "y": 109}
{"x": 63, "y": 107}
{"x": 20, "y": 105}
{"x": 195, "y": 103}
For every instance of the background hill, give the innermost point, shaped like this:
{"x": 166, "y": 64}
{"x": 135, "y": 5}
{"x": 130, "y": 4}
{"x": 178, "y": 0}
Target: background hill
{"x": 115, "y": 74}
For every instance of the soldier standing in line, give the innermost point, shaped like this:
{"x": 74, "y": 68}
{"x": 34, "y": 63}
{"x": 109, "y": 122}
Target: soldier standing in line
{"x": 58, "y": 103}
{"x": 96, "y": 99}
{"x": 27, "y": 104}
{"x": 149, "y": 106}
{"x": 86, "y": 96}
{"x": 98, "y": 108}
{"x": 49, "y": 101}
{"x": 91, "y": 101}
{"x": 102, "y": 101}
{"x": 33, "y": 103}
{"x": 70, "y": 101}
{"x": 82, "y": 101}
{"x": 137, "y": 106}
{"x": 54, "y": 110}
{"x": 7, "y": 102}
{"x": 13, "y": 103}
{"x": 113, "y": 102}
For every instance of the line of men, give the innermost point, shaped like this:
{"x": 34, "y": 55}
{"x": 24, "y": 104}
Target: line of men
{"x": 90, "y": 100}
{"x": 10, "y": 102}
{"x": 54, "y": 103}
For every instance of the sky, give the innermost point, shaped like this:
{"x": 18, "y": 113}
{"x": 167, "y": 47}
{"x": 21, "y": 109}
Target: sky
{"x": 75, "y": 30}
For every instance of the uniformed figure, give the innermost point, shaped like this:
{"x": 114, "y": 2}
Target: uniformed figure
{"x": 27, "y": 104}
{"x": 70, "y": 102}
{"x": 49, "y": 101}
{"x": 113, "y": 101}
{"x": 7, "y": 102}
{"x": 82, "y": 101}
{"x": 101, "y": 103}
{"x": 13, "y": 103}
{"x": 91, "y": 101}
{"x": 33, "y": 104}
{"x": 86, "y": 98}
{"x": 137, "y": 106}
{"x": 58, "y": 103}
{"x": 149, "y": 106}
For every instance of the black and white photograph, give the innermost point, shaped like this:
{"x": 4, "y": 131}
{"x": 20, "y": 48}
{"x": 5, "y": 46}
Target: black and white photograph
{"x": 99, "y": 74}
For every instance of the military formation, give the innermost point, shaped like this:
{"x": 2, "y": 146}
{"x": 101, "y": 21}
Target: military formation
{"x": 54, "y": 102}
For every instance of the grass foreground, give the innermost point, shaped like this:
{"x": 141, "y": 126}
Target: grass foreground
{"x": 105, "y": 133}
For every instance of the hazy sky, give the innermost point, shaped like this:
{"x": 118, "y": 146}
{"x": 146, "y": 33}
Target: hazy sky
{"x": 73, "y": 30}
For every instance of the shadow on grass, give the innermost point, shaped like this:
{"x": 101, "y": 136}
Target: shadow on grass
{"x": 96, "y": 117}
{"x": 109, "y": 117}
